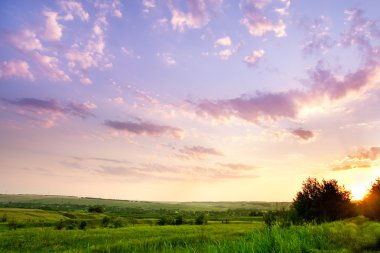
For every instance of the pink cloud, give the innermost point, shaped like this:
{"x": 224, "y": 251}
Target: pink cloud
{"x": 47, "y": 112}
{"x": 25, "y": 40}
{"x": 197, "y": 16}
{"x": 361, "y": 158}
{"x": 198, "y": 152}
{"x": 139, "y": 127}
{"x": 274, "y": 106}
{"x": 73, "y": 8}
{"x": 252, "y": 59}
{"x": 257, "y": 23}
{"x": 15, "y": 68}
{"x": 237, "y": 166}
{"x": 49, "y": 66}
{"x": 53, "y": 30}
{"x": 303, "y": 134}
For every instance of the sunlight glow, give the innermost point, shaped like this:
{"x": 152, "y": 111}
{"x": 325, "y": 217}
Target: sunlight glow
{"x": 359, "y": 190}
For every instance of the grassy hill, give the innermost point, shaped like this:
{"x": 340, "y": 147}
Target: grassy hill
{"x": 80, "y": 203}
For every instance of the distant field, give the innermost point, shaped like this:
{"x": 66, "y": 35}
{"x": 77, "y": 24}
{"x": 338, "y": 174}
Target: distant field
{"x": 40, "y": 200}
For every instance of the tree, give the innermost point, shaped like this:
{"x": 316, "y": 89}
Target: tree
{"x": 371, "y": 202}
{"x": 105, "y": 221}
{"x": 325, "y": 201}
{"x": 201, "y": 219}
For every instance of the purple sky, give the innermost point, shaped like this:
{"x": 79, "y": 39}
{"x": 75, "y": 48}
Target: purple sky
{"x": 188, "y": 100}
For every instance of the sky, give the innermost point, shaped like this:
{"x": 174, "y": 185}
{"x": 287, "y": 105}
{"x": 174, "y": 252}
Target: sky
{"x": 196, "y": 100}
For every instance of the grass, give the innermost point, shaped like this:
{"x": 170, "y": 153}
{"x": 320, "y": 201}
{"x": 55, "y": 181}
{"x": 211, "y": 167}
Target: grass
{"x": 353, "y": 235}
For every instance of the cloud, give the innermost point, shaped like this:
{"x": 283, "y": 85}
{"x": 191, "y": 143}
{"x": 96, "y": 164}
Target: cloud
{"x": 225, "y": 54}
{"x": 25, "y": 40}
{"x": 361, "y": 158}
{"x": 252, "y": 59}
{"x": 257, "y": 23}
{"x": 318, "y": 36}
{"x": 49, "y": 66}
{"x": 198, "y": 152}
{"x": 139, "y": 127}
{"x": 49, "y": 111}
{"x": 237, "y": 166}
{"x": 198, "y": 14}
{"x": 53, "y": 30}
{"x": 73, "y": 8}
{"x": 167, "y": 58}
{"x": 325, "y": 87}
{"x": 303, "y": 134}
{"x": 224, "y": 41}
{"x": 15, "y": 68}
{"x": 148, "y": 5}
{"x": 82, "y": 110}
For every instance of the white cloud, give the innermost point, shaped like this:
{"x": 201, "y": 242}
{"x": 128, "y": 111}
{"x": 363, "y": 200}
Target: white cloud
{"x": 224, "y": 41}
{"x": 167, "y": 58}
{"x": 254, "y": 57}
{"x": 225, "y": 54}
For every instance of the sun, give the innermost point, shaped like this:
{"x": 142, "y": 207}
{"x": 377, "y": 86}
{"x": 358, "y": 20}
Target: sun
{"x": 358, "y": 191}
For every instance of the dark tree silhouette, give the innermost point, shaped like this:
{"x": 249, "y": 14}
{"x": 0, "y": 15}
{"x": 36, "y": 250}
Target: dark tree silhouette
{"x": 325, "y": 201}
{"x": 371, "y": 202}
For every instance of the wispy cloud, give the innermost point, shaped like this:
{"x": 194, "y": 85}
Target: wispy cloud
{"x": 223, "y": 41}
{"x": 73, "y": 8}
{"x": 237, "y": 166}
{"x": 15, "y": 68}
{"x": 361, "y": 158}
{"x": 198, "y": 152}
{"x": 324, "y": 86}
{"x": 49, "y": 111}
{"x": 140, "y": 127}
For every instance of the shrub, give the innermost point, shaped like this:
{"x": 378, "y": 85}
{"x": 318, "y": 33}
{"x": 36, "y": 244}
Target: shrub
{"x": 118, "y": 222}
{"x": 325, "y": 201}
{"x": 179, "y": 220}
{"x": 82, "y": 224}
{"x": 4, "y": 218}
{"x": 105, "y": 221}
{"x": 96, "y": 209}
{"x": 371, "y": 202}
{"x": 201, "y": 219}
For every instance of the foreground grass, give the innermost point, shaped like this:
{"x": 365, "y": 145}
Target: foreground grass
{"x": 355, "y": 235}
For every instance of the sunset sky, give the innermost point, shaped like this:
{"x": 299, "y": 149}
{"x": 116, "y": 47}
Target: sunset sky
{"x": 175, "y": 100}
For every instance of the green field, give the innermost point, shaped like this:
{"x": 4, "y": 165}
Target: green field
{"x": 227, "y": 229}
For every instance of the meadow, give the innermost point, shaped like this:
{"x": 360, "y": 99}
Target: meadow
{"x": 226, "y": 230}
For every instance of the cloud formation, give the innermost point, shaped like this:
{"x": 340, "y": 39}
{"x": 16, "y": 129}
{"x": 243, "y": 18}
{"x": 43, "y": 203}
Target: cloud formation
{"x": 198, "y": 14}
{"x": 362, "y": 158}
{"x": 303, "y": 134}
{"x": 252, "y": 59}
{"x": 139, "y": 127}
{"x": 15, "y": 68}
{"x": 24, "y": 40}
{"x": 256, "y": 21}
{"x": 53, "y": 30}
{"x": 198, "y": 152}
{"x": 49, "y": 111}
{"x": 324, "y": 87}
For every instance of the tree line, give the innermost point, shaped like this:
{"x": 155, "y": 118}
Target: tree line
{"x": 328, "y": 201}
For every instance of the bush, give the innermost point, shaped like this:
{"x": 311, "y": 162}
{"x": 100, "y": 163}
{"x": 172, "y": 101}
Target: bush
{"x": 371, "y": 202}
{"x": 83, "y": 224}
{"x": 201, "y": 219}
{"x": 325, "y": 201}
{"x": 269, "y": 218}
{"x": 12, "y": 224}
{"x": 59, "y": 225}
{"x": 96, "y": 209}
{"x": 4, "y": 218}
{"x": 179, "y": 220}
{"x": 118, "y": 222}
{"x": 105, "y": 221}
